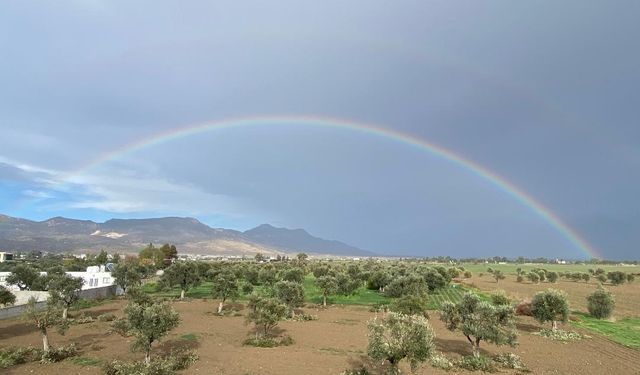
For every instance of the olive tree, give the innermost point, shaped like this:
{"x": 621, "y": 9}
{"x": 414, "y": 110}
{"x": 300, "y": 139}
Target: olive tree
{"x": 65, "y": 291}
{"x": 552, "y": 277}
{"x": 550, "y": 306}
{"x": 186, "y": 275}
{"x": 406, "y": 285}
{"x": 411, "y": 305}
{"x": 480, "y": 321}
{"x": 23, "y": 276}
{"x": 225, "y": 286}
{"x": 498, "y": 275}
{"x": 328, "y": 285}
{"x": 295, "y": 274}
{"x": 533, "y": 277}
{"x": 265, "y": 313}
{"x": 291, "y": 294}
{"x": 378, "y": 280}
{"x": 435, "y": 279}
{"x": 6, "y": 297}
{"x": 617, "y": 277}
{"x": 127, "y": 274}
{"x": 148, "y": 322}
{"x": 397, "y": 337}
{"x": 600, "y": 303}
{"x": 44, "y": 319}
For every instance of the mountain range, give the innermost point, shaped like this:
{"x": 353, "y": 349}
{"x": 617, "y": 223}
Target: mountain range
{"x": 61, "y": 234}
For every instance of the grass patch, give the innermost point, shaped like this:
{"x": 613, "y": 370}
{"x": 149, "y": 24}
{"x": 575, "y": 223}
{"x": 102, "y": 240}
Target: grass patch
{"x": 86, "y": 361}
{"x": 269, "y": 342}
{"x": 189, "y": 337}
{"x": 625, "y": 331}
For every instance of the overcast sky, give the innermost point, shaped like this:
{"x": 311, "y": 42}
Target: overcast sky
{"x": 544, "y": 94}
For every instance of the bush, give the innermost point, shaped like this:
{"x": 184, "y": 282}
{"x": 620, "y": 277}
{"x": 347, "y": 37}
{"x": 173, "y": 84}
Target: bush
{"x": 175, "y": 361}
{"x": 106, "y": 317}
{"x": 600, "y": 303}
{"x": 358, "y": 371}
{"x": 305, "y": 317}
{"x": 15, "y": 356}
{"x": 476, "y": 363}
{"x": 519, "y": 278}
{"x": 499, "y": 298}
{"x": 379, "y": 307}
{"x": 268, "y": 342}
{"x": 510, "y": 361}
{"x": 60, "y": 354}
{"x": 560, "y": 335}
{"x": 440, "y": 361}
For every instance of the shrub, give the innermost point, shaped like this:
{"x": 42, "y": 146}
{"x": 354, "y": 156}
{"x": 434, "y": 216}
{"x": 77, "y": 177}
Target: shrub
{"x": 15, "y": 356}
{"x": 519, "y": 278}
{"x": 82, "y": 319}
{"x": 108, "y": 317}
{"x": 499, "y": 298}
{"x": 59, "y": 354}
{"x": 269, "y": 342}
{"x": 476, "y": 363}
{"x": 467, "y": 274}
{"x": 559, "y": 335}
{"x": 510, "y": 361}
{"x": 358, "y": 371}
{"x": 6, "y": 297}
{"x": 552, "y": 277}
{"x": 305, "y": 317}
{"x": 440, "y": 361}
{"x": 600, "y": 303}
{"x": 175, "y": 361}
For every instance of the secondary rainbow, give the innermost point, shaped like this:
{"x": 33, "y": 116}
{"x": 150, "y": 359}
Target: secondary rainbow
{"x": 325, "y": 122}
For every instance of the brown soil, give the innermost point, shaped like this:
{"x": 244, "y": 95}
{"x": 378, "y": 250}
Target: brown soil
{"x": 335, "y": 342}
{"x": 627, "y": 296}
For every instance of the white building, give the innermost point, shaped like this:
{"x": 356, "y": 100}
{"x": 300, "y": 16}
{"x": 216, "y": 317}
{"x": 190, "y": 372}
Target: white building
{"x": 4, "y": 256}
{"x": 94, "y": 277}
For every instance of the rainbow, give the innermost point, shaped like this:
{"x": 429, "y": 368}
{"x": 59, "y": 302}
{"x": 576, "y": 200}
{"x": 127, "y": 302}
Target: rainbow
{"x": 325, "y": 122}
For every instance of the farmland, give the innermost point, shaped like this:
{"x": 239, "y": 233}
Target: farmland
{"x": 334, "y": 339}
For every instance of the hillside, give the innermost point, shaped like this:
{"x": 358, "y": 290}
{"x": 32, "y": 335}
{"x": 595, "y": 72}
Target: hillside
{"x": 61, "y": 234}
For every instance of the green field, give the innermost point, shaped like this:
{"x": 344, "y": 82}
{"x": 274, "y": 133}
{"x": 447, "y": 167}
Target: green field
{"x": 511, "y": 267}
{"x": 624, "y": 331}
{"x": 363, "y": 296}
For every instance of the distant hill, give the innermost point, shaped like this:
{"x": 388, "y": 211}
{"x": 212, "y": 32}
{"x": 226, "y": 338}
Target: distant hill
{"x": 61, "y": 234}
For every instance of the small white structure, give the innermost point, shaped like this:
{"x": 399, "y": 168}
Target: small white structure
{"x": 4, "y": 256}
{"x": 94, "y": 277}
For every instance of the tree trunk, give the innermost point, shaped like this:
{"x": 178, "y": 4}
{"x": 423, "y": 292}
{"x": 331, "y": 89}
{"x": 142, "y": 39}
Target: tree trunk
{"x": 182, "y": 294}
{"x": 45, "y": 339}
{"x": 220, "y": 305}
{"x": 147, "y": 357}
{"x": 554, "y": 326}
{"x": 64, "y": 313}
{"x": 324, "y": 300}
{"x": 293, "y": 313}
